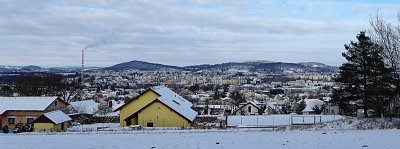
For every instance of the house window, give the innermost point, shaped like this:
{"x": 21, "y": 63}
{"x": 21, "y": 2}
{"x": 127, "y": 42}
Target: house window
{"x": 29, "y": 120}
{"x": 149, "y": 124}
{"x": 11, "y": 121}
{"x": 55, "y": 103}
{"x": 249, "y": 109}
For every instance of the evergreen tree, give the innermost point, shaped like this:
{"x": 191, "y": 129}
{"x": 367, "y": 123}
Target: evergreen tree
{"x": 363, "y": 79}
{"x": 299, "y": 107}
{"x": 6, "y": 91}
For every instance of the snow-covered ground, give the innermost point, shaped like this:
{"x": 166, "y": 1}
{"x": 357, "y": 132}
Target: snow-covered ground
{"x": 94, "y": 127}
{"x": 207, "y": 139}
{"x": 346, "y": 133}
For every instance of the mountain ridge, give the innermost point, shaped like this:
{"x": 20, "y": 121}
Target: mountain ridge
{"x": 260, "y": 65}
{"x": 248, "y": 65}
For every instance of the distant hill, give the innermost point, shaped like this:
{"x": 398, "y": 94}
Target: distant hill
{"x": 4, "y": 68}
{"x": 249, "y": 65}
{"x": 31, "y": 68}
{"x": 143, "y": 66}
{"x": 259, "y": 61}
{"x": 267, "y": 66}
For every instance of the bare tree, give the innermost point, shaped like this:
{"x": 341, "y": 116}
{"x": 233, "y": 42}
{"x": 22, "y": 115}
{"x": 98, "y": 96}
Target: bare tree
{"x": 69, "y": 90}
{"x": 388, "y": 36}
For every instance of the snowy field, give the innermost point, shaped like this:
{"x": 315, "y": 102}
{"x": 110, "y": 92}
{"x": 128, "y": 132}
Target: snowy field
{"x": 94, "y": 127}
{"x": 208, "y": 139}
{"x": 279, "y": 120}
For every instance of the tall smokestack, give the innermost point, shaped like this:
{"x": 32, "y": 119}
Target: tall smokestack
{"x": 98, "y": 43}
{"x": 83, "y": 64}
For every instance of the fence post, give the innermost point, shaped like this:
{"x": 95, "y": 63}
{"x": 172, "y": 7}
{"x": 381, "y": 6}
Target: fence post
{"x": 226, "y": 119}
{"x": 273, "y": 121}
{"x": 291, "y": 118}
{"x": 257, "y": 120}
{"x": 314, "y": 120}
{"x": 290, "y": 121}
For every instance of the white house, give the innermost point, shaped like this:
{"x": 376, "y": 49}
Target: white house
{"x": 249, "y": 108}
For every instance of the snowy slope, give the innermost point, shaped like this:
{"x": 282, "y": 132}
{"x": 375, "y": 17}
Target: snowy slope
{"x": 204, "y": 139}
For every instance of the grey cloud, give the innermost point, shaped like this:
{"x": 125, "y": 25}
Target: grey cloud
{"x": 51, "y": 33}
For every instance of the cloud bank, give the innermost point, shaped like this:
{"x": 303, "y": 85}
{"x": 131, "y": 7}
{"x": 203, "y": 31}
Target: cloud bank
{"x": 178, "y": 32}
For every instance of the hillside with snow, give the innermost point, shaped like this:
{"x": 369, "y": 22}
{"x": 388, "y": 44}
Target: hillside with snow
{"x": 208, "y": 139}
{"x": 349, "y": 133}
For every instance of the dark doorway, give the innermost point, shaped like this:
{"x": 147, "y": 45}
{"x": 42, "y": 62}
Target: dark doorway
{"x": 149, "y": 124}
{"x": 62, "y": 126}
{"x": 128, "y": 122}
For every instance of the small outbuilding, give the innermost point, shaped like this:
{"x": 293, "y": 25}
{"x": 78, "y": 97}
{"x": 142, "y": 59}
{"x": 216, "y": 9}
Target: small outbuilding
{"x": 54, "y": 121}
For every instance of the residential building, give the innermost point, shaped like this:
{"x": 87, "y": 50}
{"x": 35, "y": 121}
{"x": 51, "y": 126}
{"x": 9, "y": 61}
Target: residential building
{"x": 53, "y": 121}
{"x": 249, "y": 108}
{"x": 157, "y": 107}
{"x": 23, "y": 110}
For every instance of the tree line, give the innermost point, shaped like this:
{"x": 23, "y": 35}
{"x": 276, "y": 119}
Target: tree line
{"x": 41, "y": 84}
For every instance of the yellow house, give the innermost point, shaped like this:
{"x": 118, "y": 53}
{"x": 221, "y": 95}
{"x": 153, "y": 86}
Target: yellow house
{"x": 54, "y": 121}
{"x": 157, "y": 107}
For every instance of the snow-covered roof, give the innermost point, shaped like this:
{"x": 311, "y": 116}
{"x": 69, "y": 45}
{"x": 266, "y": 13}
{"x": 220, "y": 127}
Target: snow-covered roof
{"x": 25, "y": 103}
{"x": 90, "y": 107}
{"x": 57, "y": 116}
{"x": 116, "y": 105}
{"x": 248, "y": 103}
{"x": 175, "y": 102}
{"x": 327, "y": 99}
{"x": 85, "y": 106}
{"x": 255, "y": 103}
{"x": 311, "y": 103}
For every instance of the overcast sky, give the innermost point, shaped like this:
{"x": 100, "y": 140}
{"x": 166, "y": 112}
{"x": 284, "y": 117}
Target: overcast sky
{"x": 179, "y": 32}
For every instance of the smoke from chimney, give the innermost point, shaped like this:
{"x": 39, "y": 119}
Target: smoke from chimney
{"x": 104, "y": 41}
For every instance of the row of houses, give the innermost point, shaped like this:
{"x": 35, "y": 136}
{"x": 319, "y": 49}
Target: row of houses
{"x": 43, "y": 112}
{"x": 255, "y": 107}
{"x": 156, "y": 107}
